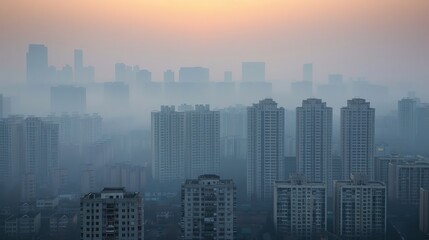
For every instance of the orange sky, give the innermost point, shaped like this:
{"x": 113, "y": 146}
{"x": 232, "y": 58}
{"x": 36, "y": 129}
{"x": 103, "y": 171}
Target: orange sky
{"x": 385, "y": 40}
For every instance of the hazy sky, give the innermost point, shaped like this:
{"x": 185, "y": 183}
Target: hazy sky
{"x": 384, "y": 40}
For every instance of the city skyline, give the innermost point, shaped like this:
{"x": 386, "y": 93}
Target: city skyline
{"x": 298, "y": 32}
{"x": 214, "y": 119}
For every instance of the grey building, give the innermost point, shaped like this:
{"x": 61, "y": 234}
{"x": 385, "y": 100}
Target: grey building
{"x": 314, "y": 139}
{"x": 300, "y": 207}
{"x": 357, "y": 138}
{"x": 359, "y": 208}
{"x": 113, "y": 214}
{"x": 208, "y": 208}
{"x": 265, "y": 148}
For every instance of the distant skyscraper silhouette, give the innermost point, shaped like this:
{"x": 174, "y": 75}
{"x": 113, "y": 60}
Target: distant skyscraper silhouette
{"x": 314, "y": 139}
{"x": 307, "y": 72}
{"x": 78, "y": 64}
{"x": 194, "y": 74}
{"x": 357, "y": 138}
{"x": 37, "y": 64}
{"x": 227, "y": 76}
{"x": 407, "y": 123}
{"x": 265, "y": 157}
{"x": 169, "y": 76}
{"x": 144, "y": 75}
{"x": 253, "y": 71}
{"x": 82, "y": 73}
{"x": 1, "y": 106}
{"x": 65, "y": 75}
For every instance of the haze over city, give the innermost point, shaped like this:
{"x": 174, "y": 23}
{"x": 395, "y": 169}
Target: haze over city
{"x": 214, "y": 119}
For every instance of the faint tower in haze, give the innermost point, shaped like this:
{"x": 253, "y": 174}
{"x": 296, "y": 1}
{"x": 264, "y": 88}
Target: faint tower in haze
{"x": 82, "y": 73}
{"x": 227, "y": 76}
{"x": 78, "y": 64}
{"x": 194, "y": 74}
{"x": 407, "y": 123}
{"x": 253, "y": 71}
{"x": 144, "y": 76}
{"x": 169, "y": 76}
{"x": 307, "y": 72}
{"x": 37, "y": 64}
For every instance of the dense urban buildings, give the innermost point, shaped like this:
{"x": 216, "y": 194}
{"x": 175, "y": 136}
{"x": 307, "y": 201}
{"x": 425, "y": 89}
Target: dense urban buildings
{"x": 113, "y": 214}
{"x": 29, "y": 154}
{"x": 265, "y": 146}
{"x": 208, "y": 208}
{"x": 357, "y": 138}
{"x": 300, "y": 207}
{"x": 360, "y": 208}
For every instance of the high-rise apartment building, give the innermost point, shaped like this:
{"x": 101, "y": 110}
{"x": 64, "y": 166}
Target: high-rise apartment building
{"x": 208, "y": 208}
{"x": 405, "y": 180}
{"x": 185, "y": 143}
{"x": 168, "y": 145}
{"x": 314, "y": 139}
{"x": 113, "y": 214}
{"x": 202, "y": 141}
{"x": 265, "y": 148}
{"x": 300, "y": 207}
{"x": 359, "y": 208}
{"x": 357, "y": 138}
